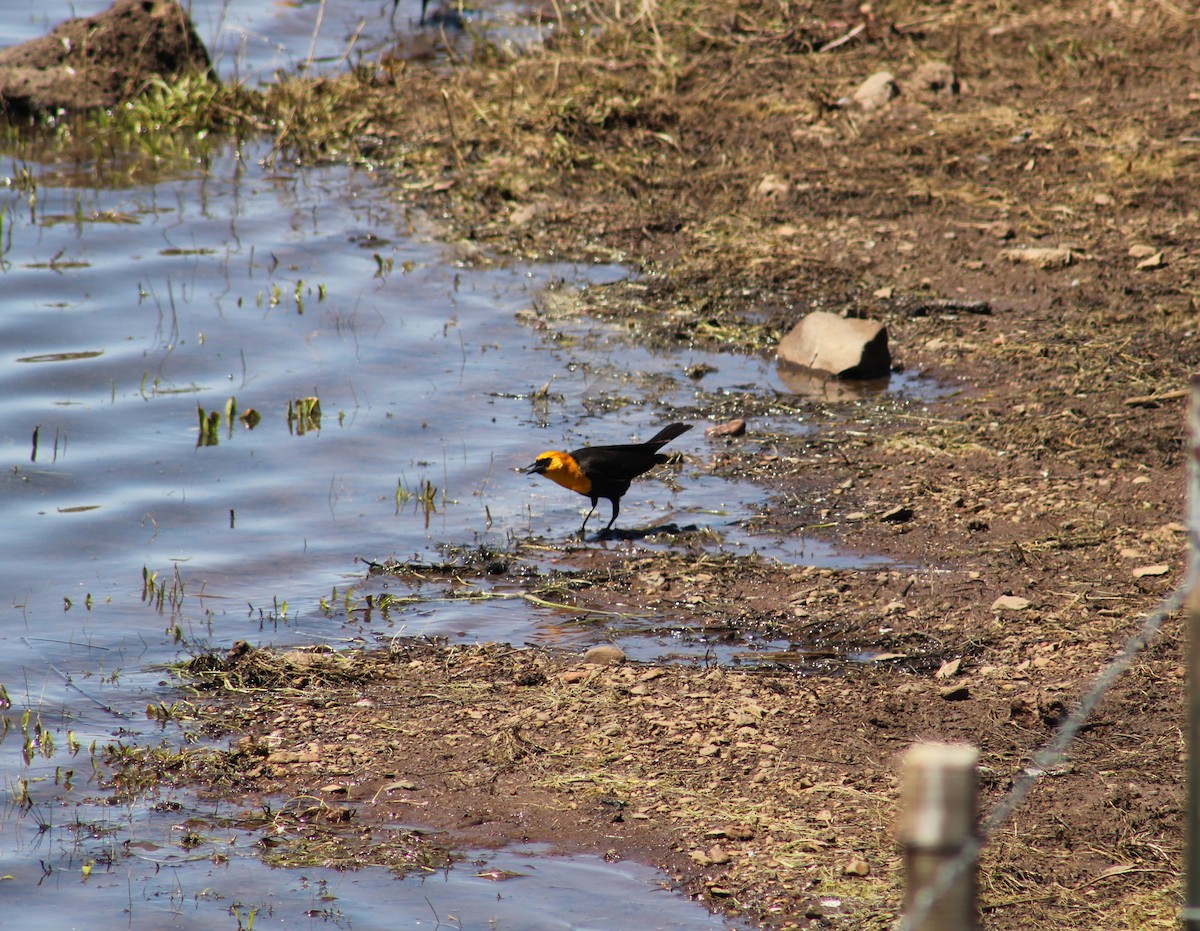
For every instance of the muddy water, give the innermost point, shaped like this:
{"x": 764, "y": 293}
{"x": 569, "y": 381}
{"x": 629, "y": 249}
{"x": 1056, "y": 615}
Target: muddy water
{"x": 218, "y": 390}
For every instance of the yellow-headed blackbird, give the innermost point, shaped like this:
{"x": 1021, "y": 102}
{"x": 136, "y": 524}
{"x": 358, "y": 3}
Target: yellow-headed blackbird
{"x": 605, "y": 471}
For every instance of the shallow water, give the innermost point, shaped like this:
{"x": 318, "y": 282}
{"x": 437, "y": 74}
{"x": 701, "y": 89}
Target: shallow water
{"x": 231, "y": 282}
{"x": 225, "y": 286}
{"x": 151, "y": 884}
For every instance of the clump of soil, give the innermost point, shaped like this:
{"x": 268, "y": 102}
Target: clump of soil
{"x": 101, "y": 61}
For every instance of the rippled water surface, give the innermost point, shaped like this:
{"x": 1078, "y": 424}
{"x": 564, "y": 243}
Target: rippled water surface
{"x": 124, "y": 313}
{"x": 218, "y": 389}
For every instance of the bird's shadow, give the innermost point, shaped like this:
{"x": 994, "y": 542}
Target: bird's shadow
{"x": 639, "y": 533}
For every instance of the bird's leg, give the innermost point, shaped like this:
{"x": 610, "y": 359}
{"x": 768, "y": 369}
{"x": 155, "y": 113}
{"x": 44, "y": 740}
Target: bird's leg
{"x": 616, "y": 510}
{"x": 586, "y": 519}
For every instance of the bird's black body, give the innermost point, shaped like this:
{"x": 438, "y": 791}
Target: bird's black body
{"x": 606, "y": 471}
{"x": 611, "y": 469}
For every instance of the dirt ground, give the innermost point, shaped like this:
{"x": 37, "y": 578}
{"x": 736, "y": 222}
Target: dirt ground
{"x": 714, "y": 146}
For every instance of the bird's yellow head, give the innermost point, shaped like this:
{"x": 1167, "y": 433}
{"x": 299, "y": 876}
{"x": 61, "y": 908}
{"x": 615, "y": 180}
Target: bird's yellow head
{"x": 562, "y": 468}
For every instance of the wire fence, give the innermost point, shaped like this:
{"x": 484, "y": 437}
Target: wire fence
{"x": 960, "y": 867}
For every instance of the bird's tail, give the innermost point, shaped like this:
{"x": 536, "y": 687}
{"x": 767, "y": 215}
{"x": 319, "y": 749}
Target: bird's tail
{"x": 666, "y": 434}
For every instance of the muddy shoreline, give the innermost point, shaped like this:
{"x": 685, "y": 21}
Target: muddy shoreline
{"x": 1045, "y": 489}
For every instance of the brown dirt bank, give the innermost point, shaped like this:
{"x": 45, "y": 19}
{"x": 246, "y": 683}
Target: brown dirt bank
{"x": 1053, "y": 474}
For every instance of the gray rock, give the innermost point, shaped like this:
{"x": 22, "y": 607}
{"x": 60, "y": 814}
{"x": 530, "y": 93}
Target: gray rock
{"x": 1043, "y": 258}
{"x": 604, "y": 655}
{"x": 876, "y": 91}
{"x": 959, "y": 692}
{"x": 842, "y": 347}
{"x": 101, "y": 61}
{"x": 735, "y": 427}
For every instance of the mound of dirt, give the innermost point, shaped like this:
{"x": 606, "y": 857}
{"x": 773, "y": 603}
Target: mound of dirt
{"x": 102, "y": 60}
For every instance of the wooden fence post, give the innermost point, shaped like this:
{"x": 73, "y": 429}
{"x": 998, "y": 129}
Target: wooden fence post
{"x": 937, "y": 821}
{"x": 1191, "y": 907}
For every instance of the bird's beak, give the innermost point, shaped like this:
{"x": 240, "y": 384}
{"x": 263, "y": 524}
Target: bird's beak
{"x": 538, "y": 468}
